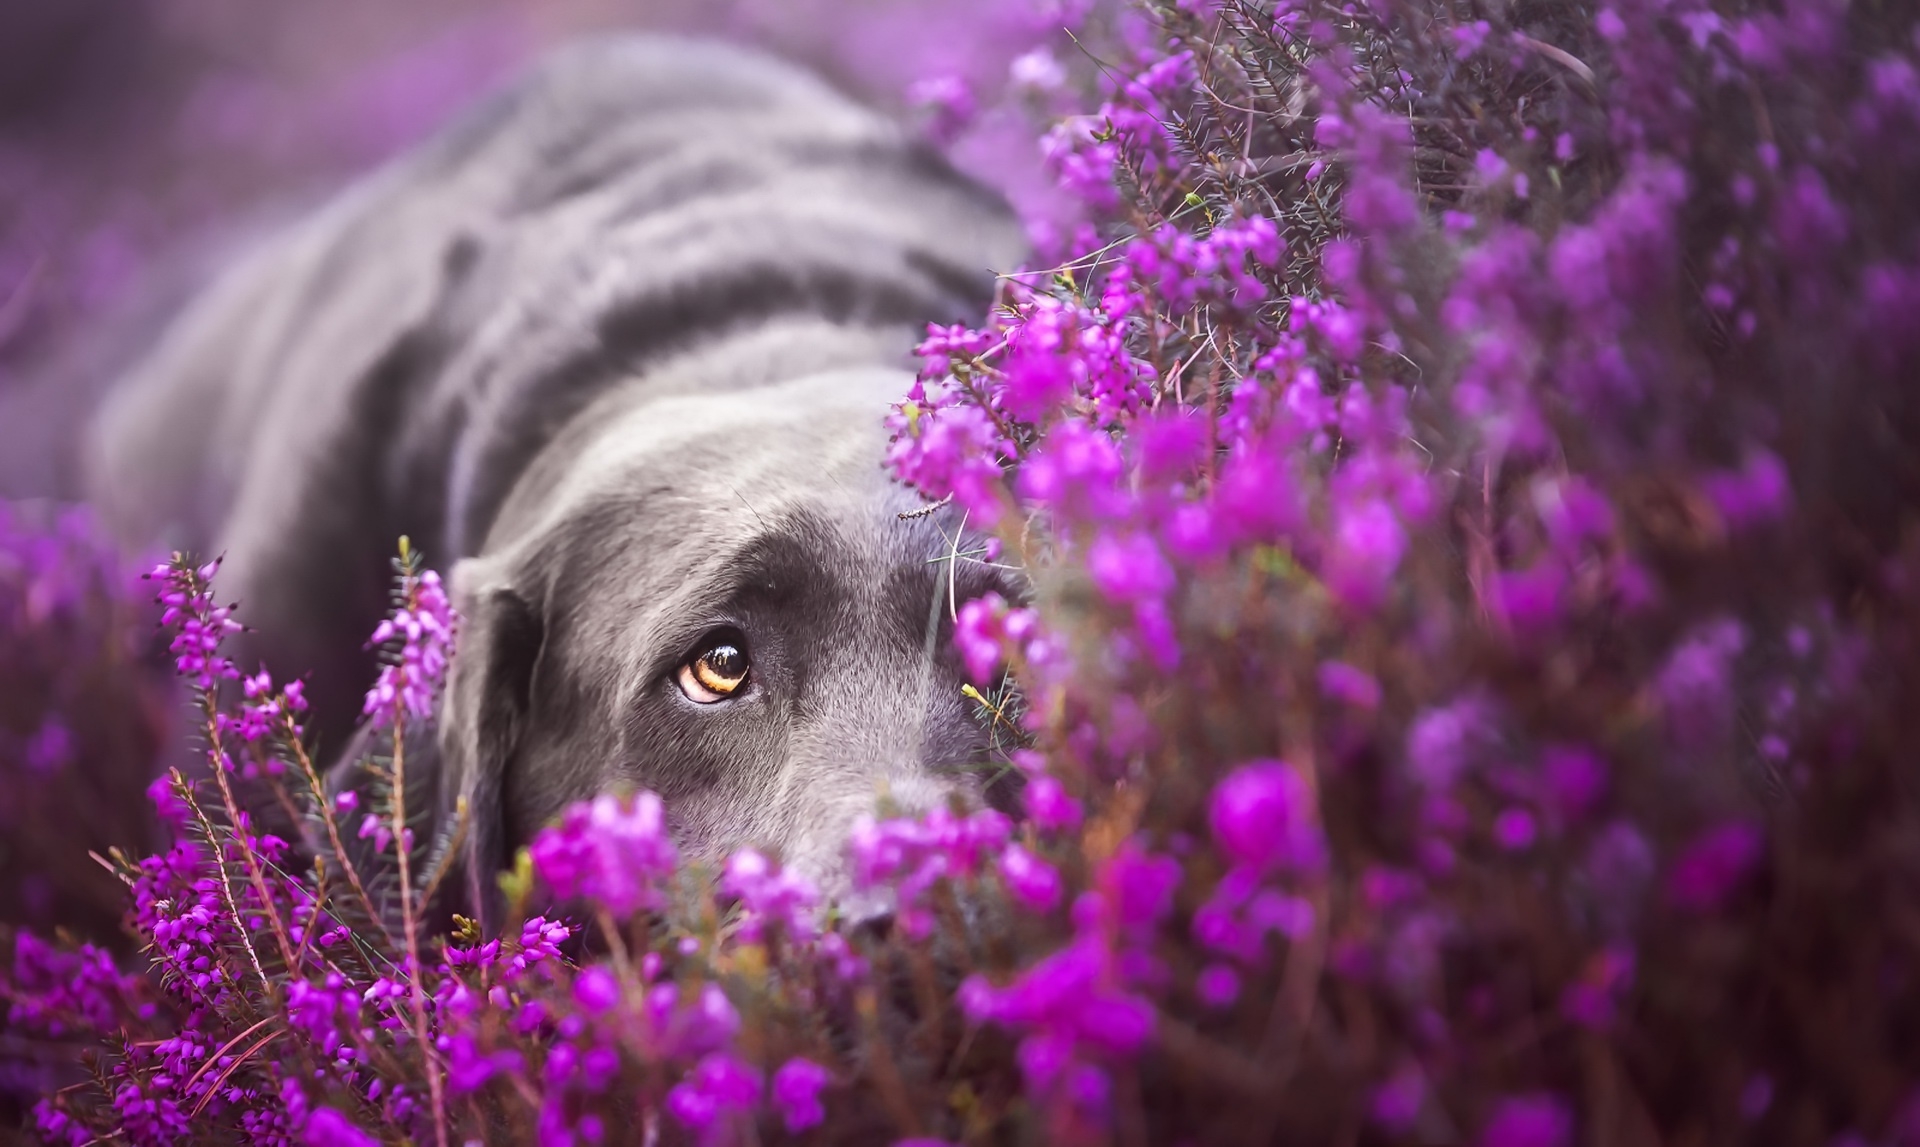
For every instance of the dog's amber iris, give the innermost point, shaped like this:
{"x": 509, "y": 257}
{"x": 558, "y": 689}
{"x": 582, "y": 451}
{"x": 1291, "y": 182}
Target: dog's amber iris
{"x": 717, "y": 670}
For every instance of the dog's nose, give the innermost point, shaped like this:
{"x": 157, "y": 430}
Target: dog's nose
{"x": 867, "y": 914}
{"x": 877, "y": 928}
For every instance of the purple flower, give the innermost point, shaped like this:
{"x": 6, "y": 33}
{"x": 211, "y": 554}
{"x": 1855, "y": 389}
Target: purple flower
{"x": 58, "y": 992}
{"x": 1444, "y": 741}
{"x": 1713, "y": 866}
{"x": 783, "y": 897}
{"x": 1033, "y": 882}
{"x": 1368, "y": 543}
{"x": 1591, "y": 1001}
{"x": 796, "y": 1093}
{"x": 1755, "y": 494}
{"x": 1068, "y": 995}
{"x": 614, "y": 852}
{"x": 540, "y": 940}
{"x": 424, "y": 628}
{"x": 1529, "y": 599}
{"x": 1037, "y": 70}
{"x": 1136, "y": 888}
{"x": 1619, "y": 869}
{"x": 469, "y": 1068}
{"x": 49, "y": 748}
{"x": 1529, "y": 1121}
{"x": 596, "y": 990}
{"x": 944, "y": 446}
{"x": 1469, "y": 38}
{"x": 1049, "y": 807}
{"x": 1217, "y": 986}
{"x": 1075, "y": 468}
{"x": 1263, "y": 816}
{"x": 950, "y": 104}
{"x": 980, "y": 634}
{"x": 706, "y": 1023}
{"x": 719, "y": 1086}
{"x": 943, "y": 344}
{"x": 1349, "y": 686}
{"x": 1129, "y": 568}
{"x": 1514, "y": 829}
{"x": 910, "y": 856}
{"x": 328, "y": 1128}
{"x": 1397, "y": 1103}
{"x": 1574, "y": 778}
{"x": 199, "y": 627}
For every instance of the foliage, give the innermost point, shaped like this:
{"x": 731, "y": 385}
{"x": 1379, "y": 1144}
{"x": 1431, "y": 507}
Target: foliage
{"x": 1462, "y": 456}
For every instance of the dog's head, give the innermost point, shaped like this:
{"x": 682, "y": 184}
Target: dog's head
{"x": 715, "y": 597}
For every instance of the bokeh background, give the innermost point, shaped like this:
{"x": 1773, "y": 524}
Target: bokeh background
{"x": 141, "y": 139}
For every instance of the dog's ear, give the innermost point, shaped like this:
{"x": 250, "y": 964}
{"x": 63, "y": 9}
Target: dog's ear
{"x": 483, "y": 722}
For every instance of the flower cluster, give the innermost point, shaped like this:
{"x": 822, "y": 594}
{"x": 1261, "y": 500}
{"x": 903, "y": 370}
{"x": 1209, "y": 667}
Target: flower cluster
{"x": 423, "y": 624}
{"x": 82, "y": 706}
{"x": 1461, "y": 458}
{"x": 615, "y": 852}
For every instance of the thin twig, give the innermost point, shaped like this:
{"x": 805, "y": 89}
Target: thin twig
{"x": 411, "y": 928}
{"x": 333, "y": 828}
{"x": 217, "y": 753}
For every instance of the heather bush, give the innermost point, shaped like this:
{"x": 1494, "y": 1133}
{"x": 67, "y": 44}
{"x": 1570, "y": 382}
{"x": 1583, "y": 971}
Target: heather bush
{"x": 1463, "y": 460}
{"x": 83, "y": 707}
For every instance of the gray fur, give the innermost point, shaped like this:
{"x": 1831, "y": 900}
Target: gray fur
{"x": 616, "y": 349}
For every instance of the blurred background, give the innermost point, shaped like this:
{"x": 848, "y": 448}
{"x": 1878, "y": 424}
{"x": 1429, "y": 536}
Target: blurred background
{"x": 141, "y": 139}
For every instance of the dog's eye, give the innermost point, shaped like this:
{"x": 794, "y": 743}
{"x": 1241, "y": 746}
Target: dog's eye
{"x": 716, "y": 669}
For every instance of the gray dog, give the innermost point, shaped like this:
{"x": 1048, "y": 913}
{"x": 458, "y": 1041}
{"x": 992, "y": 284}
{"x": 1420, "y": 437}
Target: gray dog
{"x": 616, "y": 349}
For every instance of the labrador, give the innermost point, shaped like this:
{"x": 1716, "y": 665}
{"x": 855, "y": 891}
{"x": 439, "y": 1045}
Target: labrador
{"x": 615, "y": 349}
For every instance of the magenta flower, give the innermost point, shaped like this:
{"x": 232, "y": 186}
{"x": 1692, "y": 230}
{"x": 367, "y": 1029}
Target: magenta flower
{"x": 979, "y": 635}
{"x": 1529, "y": 1121}
{"x": 707, "y": 1022}
{"x": 1396, "y": 1104}
{"x": 1218, "y": 986}
{"x": 796, "y": 1093}
{"x": 424, "y": 628}
{"x": 1049, "y": 807}
{"x": 1712, "y": 868}
{"x": 540, "y": 940}
{"x": 1033, "y": 882}
{"x": 1575, "y": 779}
{"x": 950, "y": 105}
{"x": 910, "y": 856}
{"x": 766, "y": 895}
{"x": 1068, "y": 996}
{"x": 1368, "y": 544}
{"x": 328, "y": 1128}
{"x": 596, "y": 990}
{"x": 1129, "y": 568}
{"x": 1592, "y": 1000}
{"x": 718, "y": 1087}
{"x": 50, "y": 748}
{"x": 1349, "y": 686}
{"x": 1755, "y": 494}
{"x": 944, "y": 344}
{"x": 615, "y": 852}
{"x": 1263, "y": 816}
{"x": 1514, "y": 829}
{"x": 199, "y": 627}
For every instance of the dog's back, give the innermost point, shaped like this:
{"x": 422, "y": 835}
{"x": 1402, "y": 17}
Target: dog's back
{"x": 394, "y": 363}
